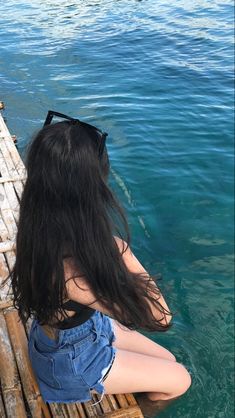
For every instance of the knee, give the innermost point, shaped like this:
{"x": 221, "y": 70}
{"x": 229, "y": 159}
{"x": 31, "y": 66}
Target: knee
{"x": 171, "y": 357}
{"x": 184, "y": 381}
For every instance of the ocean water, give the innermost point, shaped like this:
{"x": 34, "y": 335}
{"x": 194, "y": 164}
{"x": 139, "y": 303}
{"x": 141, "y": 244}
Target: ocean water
{"x": 158, "y": 77}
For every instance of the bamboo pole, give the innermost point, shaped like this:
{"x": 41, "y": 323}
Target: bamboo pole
{"x": 57, "y": 411}
{"x": 122, "y": 401}
{"x": 20, "y": 348}
{"x": 6, "y": 304}
{"x": 112, "y": 402}
{"x": 8, "y": 185}
{"x": 4, "y": 290}
{"x": 11, "y": 390}
{"x": 12, "y": 169}
{"x": 80, "y": 410}
{"x": 10, "y": 257}
{"x": 12, "y": 179}
{"x": 130, "y": 412}
{"x": 105, "y": 405}
{"x": 72, "y": 411}
{"x": 12, "y": 166}
{"x": 3, "y": 228}
{"x": 130, "y": 399}
{"x": 90, "y": 410}
{"x": 97, "y": 407}
{"x": 4, "y": 133}
{"x": 7, "y": 215}
{"x": 7, "y": 245}
{"x": 2, "y": 409}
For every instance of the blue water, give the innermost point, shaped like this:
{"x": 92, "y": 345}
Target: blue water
{"x": 157, "y": 76}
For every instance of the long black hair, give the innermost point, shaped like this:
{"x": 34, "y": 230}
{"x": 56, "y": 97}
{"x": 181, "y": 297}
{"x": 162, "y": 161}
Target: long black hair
{"x": 68, "y": 210}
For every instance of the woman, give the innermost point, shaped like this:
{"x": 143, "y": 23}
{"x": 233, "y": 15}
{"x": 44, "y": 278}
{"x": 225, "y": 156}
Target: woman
{"x": 80, "y": 281}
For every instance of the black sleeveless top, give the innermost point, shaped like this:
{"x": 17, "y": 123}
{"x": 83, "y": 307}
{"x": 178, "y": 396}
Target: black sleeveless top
{"x": 82, "y": 314}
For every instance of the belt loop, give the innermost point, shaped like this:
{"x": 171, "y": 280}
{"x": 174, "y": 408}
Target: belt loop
{"x": 59, "y": 336}
{"x": 97, "y": 328}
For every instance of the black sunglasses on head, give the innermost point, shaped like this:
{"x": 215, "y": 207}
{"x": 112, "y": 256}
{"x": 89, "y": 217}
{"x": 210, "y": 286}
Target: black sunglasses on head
{"x": 103, "y": 135}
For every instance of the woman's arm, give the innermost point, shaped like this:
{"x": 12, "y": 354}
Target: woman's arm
{"x": 79, "y": 290}
{"x": 135, "y": 266}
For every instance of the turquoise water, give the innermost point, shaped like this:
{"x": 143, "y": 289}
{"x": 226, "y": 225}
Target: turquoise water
{"x": 156, "y": 75}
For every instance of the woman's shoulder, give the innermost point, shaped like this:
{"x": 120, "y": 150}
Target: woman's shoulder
{"x": 70, "y": 269}
{"x": 122, "y": 245}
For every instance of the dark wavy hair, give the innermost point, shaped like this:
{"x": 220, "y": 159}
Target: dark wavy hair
{"x": 68, "y": 210}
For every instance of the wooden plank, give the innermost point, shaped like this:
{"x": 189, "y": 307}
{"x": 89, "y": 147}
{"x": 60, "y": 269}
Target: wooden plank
{"x": 11, "y": 390}
{"x": 3, "y": 228}
{"x": 56, "y": 410}
{"x": 7, "y": 245}
{"x": 12, "y": 151}
{"x": 73, "y": 412}
{"x": 3, "y": 268}
{"x": 96, "y": 399}
{"x": 90, "y": 409}
{"x": 8, "y": 186}
{"x": 5, "y": 134}
{"x": 11, "y": 169}
{"x": 12, "y": 179}
{"x": 20, "y": 347}
{"x": 80, "y": 410}
{"x": 2, "y": 409}
{"x": 12, "y": 199}
{"x": 122, "y": 400}
{"x": 4, "y": 290}
{"x": 6, "y": 304}
{"x": 14, "y": 403}
{"x": 105, "y": 406}
{"x": 112, "y": 401}
{"x": 130, "y": 412}
{"x": 65, "y": 410}
{"x": 10, "y": 257}
{"x": 7, "y": 215}
{"x": 130, "y": 399}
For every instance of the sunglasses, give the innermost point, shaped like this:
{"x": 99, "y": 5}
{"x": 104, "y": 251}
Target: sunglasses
{"x": 103, "y": 135}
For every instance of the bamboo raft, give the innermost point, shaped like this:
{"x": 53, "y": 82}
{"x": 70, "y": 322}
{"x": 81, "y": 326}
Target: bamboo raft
{"x": 19, "y": 393}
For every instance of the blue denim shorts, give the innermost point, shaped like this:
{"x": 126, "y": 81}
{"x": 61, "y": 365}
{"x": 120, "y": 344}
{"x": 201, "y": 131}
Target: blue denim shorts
{"x": 69, "y": 368}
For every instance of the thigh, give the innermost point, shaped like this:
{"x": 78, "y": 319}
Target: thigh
{"x": 134, "y": 341}
{"x": 135, "y": 372}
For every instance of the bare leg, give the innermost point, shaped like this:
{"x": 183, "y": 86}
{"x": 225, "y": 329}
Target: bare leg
{"x": 134, "y": 372}
{"x": 134, "y": 341}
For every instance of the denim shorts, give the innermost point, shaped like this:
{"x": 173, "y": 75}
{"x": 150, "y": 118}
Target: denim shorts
{"x": 68, "y": 368}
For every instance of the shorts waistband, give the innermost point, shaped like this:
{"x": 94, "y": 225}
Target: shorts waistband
{"x": 57, "y": 337}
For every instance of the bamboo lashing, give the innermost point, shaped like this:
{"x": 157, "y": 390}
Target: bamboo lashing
{"x": 11, "y": 179}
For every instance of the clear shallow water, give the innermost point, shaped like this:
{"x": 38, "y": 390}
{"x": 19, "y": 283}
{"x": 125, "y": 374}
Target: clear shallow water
{"x": 157, "y": 76}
